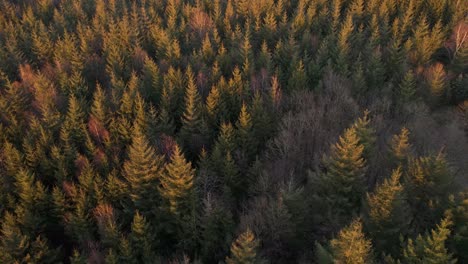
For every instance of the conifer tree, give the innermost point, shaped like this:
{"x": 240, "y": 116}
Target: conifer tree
{"x": 244, "y": 132}
{"x": 191, "y": 119}
{"x": 428, "y": 181}
{"x": 351, "y": 245}
{"x": 400, "y": 145}
{"x": 213, "y": 105}
{"x": 142, "y": 172}
{"x": 342, "y": 186}
{"x": 177, "y": 183}
{"x": 141, "y": 240}
{"x": 244, "y": 249}
{"x": 436, "y": 81}
{"x": 431, "y": 248}
{"x": 74, "y": 124}
{"x": 366, "y": 134}
{"x": 177, "y": 189}
{"x": 407, "y": 87}
{"x": 298, "y": 80}
{"x": 386, "y": 211}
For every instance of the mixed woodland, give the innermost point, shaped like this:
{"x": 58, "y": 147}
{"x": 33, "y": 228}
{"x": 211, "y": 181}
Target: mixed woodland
{"x": 234, "y": 131}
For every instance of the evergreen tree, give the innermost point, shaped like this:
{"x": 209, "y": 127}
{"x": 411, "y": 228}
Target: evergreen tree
{"x": 244, "y": 133}
{"x": 436, "y": 82}
{"x": 177, "y": 189}
{"x": 366, "y": 134}
{"x": 407, "y": 87}
{"x": 351, "y": 245}
{"x": 400, "y": 145}
{"x": 141, "y": 240}
{"x": 142, "y": 172}
{"x": 191, "y": 119}
{"x": 244, "y": 249}
{"x": 343, "y": 185}
{"x": 387, "y": 213}
{"x": 428, "y": 182}
{"x": 177, "y": 183}
{"x": 430, "y": 248}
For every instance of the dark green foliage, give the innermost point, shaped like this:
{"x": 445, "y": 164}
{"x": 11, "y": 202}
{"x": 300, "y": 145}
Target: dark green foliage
{"x": 153, "y": 131}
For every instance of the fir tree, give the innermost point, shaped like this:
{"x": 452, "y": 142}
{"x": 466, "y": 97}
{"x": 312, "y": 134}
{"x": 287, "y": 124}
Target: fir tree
{"x": 366, "y": 134}
{"x": 428, "y": 182}
{"x": 430, "y": 248}
{"x": 342, "y": 186}
{"x": 400, "y": 145}
{"x": 351, "y": 246}
{"x": 386, "y": 211}
{"x": 407, "y": 87}
{"x": 244, "y": 249}
{"x": 142, "y": 171}
{"x": 177, "y": 183}
{"x": 141, "y": 240}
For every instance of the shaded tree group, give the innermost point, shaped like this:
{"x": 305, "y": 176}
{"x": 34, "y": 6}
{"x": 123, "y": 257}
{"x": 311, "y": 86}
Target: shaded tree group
{"x": 233, "y": 131}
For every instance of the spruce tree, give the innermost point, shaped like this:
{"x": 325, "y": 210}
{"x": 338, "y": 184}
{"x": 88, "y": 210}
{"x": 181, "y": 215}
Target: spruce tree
{"x": 407, "y": 87}
{"x": 343, "y": 184}
{"x": 141, "y": 240}
{"x": 430, "y": 248}
{"x": 351, "y": 246}
{"x": 244, "y": 249}
{"x": 177, "y": 183}
{"x": 400, "y": 145}
{"x": 386, "y": 210}
{"x": 366, "y": 134}
{"x": 142, "y": 171}
{"x": 428, "y": 181}
{"x": 191, "y": 117}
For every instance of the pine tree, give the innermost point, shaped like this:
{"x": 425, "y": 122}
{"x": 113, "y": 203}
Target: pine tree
{"x": 142, "y": 172}
{"x": 74, "y": 124}
{"x": 436, "y": 81}
{"x": 298, "y": 80}
{"x": 407, "y": 87}
{"x": 214, "y": 106}
{"x": 141, "y": 240}
{"x": 244, "y": 133}
{"x": 244, "y": 249}
{"x": 400, "y": 145}
{"x": 177, "y": 189}
{"x": 177, "y": 183}
{"x": 386, "y": 211}
{"x": 216, "y": 224}
{"x": 366, "y": 134}
{"x": 351, "y": 246}
{"x": 191, "y": 119}
{"x": 343, "y": 185}
{"x": 431, "y": 248}
{"x": 428, "y": 181}
{"x": 98, "y": 107}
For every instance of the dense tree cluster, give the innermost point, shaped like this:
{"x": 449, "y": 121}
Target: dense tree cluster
{"x": 233, "y": 131}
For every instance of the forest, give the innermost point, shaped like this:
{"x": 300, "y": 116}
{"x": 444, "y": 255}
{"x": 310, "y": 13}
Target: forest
{"x": 234, "y": 131}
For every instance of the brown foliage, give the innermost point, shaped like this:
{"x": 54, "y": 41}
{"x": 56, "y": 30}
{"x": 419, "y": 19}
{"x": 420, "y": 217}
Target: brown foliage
{"x": 313, "y": 123}
{"x": 166, "y": 146}
{"x": 97, "y": 130}
{"x": 200, "y": 22}
{"x": 104, "y": 213}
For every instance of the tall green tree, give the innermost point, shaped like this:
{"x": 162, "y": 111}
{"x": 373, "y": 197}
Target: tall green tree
{"x": 431, "y": 247}
{"x": 142, "y": 171}
{"x": 244, "y": 249}
{"x": 342, "y": 186}
{"x": 351, "y": 246}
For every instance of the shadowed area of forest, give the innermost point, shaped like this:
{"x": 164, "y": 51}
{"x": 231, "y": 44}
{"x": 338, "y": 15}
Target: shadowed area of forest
{"x": 234, "y": 131}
